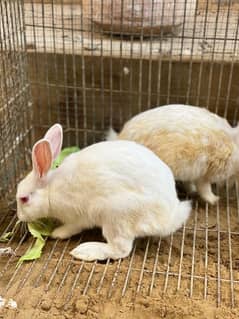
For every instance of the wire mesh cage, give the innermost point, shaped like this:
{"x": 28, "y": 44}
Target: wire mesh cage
{"x": 15, "y": 105}
{"x": 92, "y": 64}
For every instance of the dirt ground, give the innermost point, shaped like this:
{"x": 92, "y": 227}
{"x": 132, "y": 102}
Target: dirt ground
{"x": 144, "y": 308}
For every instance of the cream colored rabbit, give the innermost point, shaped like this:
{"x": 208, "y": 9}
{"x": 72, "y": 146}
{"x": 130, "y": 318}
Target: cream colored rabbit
{"x": 121, "y": 186}
{"x": 200, "y": 147}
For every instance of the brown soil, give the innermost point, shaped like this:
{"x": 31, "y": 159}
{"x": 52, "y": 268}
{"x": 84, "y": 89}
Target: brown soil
{"x": 145, "y": 308}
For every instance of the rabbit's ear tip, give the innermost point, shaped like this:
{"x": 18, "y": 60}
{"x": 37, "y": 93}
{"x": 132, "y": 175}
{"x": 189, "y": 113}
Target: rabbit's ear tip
{"x": 41, "y": 141}
{"x": 57, "y": 125}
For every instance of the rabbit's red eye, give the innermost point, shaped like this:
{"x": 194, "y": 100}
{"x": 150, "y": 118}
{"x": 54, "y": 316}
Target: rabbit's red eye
{"x": 24, "y": 199}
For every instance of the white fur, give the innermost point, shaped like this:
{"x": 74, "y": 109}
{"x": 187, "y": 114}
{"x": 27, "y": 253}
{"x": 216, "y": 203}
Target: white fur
{"x": 119, "y": 186}
{"x": 178, "y": 117}
{"x": 196, "y": 126}
{"x": 111, "y": 135}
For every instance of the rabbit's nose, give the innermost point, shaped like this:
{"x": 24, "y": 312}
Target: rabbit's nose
{"x": 24, "y": 199}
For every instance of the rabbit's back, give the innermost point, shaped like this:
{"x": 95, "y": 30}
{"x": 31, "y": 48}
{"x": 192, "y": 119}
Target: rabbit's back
{"x": 177, "y": 118}
{"x": 130, "y": 164}
{"x": 190, "y": 154}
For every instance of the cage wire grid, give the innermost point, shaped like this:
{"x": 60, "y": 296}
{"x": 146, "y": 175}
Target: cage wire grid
{"x": 87, "y": 79}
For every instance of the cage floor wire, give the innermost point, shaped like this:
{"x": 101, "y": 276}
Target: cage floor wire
{"x": 191, "y": 272}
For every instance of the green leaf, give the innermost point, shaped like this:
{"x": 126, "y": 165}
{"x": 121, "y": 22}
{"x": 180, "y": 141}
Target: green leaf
{"x": 64, "y": 153}
{"x": 7, "y": 236}
{"x": 42, "y": 227}
{"x": 34, "y": 252}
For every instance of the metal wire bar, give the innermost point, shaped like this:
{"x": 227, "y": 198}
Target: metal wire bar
{"x": 188, "y": 276}
{"x": 114, "y": 279}
{"x": 206, "y": 253}
{"x": 130, "y": 112}
{"x": 93, "y": 84}
{"x": 100, "y": 285}
{"x": 230, "y": 246}
{"x": 201, "y": 60}
{"x": 140, "y": 78}
{"x": 120, "y": 61}
{"x": 181, "y": 258}
{"x": 36, "y": 66}
{"x": 57, "y": 265}
{"x": 84, "y": 113}
{"x": 237, "y": 197}
{"x": 65, "y": 73}
{"x": 111, "y": 69}
{"x": 230, "y": 77}
{"x": 154, "y": 267}
{"x": 218, "y": 255}
{"x": 143, "y": 266}
{"x": 68, "y": 297}
{"x": 212, "y": 56}
{"x": 149, "y": 103}
{"x": 74, "y": 77}
{"x": 223, "y": 58}
{"x": 89, "y": 278}
{"x": 127, "y": 277}
{"x": 46, "y": 69}
{"x": 168, "y": 265}
{"x": 102, "y": 82}
{"x": 190, "y": 82}
{"x": 193, "y": 249}
{"x": 55, "y": 60}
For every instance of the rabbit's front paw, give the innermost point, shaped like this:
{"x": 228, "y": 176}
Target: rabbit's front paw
{"x": 60, "y": 232}
{"x": 65, "y": 231}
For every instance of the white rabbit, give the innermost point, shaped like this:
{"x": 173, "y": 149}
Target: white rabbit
{"x": 121, "y": 186}
{"x": 200, "y": 147}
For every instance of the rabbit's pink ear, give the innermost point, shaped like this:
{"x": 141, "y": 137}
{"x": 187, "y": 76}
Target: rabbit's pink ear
{"x": 55, "y": 136}
{"x": 41, "y": 157}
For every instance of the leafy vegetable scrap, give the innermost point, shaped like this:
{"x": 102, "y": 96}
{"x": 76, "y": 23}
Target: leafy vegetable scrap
{"x": 64, "y": 153}
{"x": 8, "y": 235}
{"x": 38, "y": 229}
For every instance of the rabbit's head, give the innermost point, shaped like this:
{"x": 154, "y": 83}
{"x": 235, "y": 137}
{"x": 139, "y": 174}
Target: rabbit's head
{"x": 32, "y": 191}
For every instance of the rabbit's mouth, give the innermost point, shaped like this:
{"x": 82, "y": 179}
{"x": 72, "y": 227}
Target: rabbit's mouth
{"x": 23, "y": 218}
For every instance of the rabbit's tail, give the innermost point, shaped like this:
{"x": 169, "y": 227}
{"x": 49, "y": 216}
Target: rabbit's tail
{"x": 111, "y": 135}
{"x": 183, "y": 211}
{"x": 181, "y": 214}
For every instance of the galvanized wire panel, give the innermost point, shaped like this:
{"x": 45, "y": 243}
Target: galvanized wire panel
{"x": 15, "y": 119}
{"x": 88, "y": 75}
